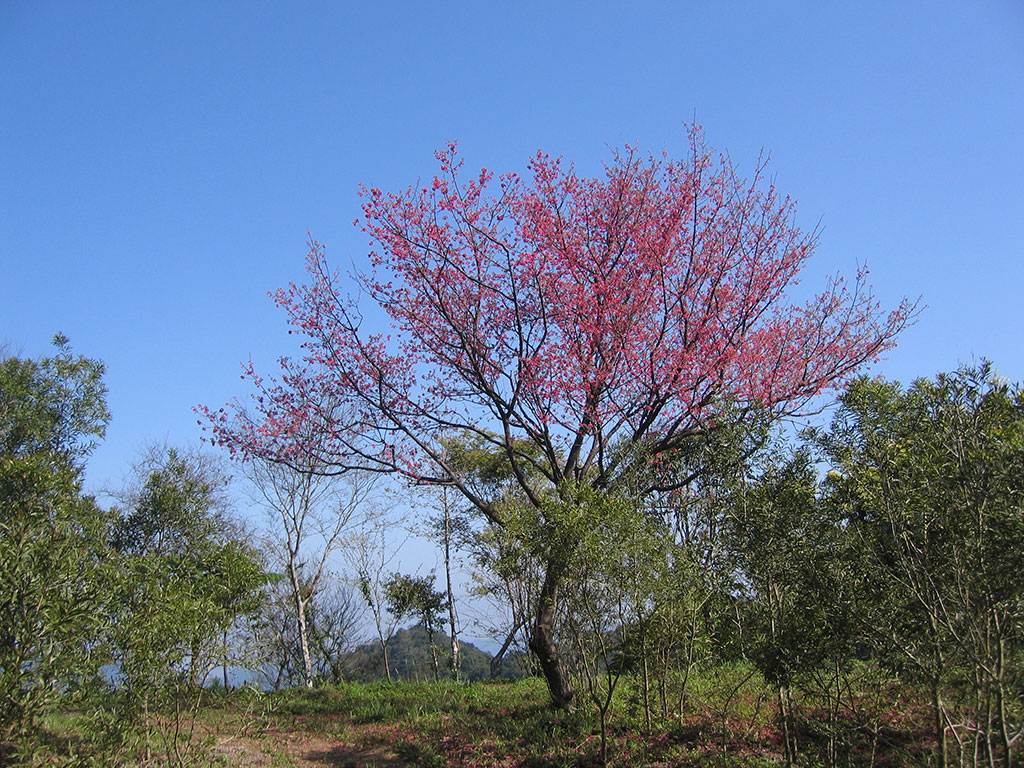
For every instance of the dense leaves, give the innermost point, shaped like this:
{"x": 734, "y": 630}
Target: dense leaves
{"x": 186, "y": 577}
{"x": 53, "y": 583}
{"x": 930, "y": 481}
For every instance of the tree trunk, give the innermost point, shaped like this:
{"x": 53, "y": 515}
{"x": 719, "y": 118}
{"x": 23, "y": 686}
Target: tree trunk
{"x": 300, "y": 615}
{"x": 226, "y": 686}
{"x": 225, "y": 668}
{"x": 384, "y": 653}
{"x": 497, "y": 658}
{"x": 647, "y": 690}
{"x": 542, "y": 642}
{"x": 452, "y": 619}
{"x": 784, "y": 722}
{"x": 1004, "y": 732}
{"x": 433, "y": 652}
{"x": 939, "y": 723}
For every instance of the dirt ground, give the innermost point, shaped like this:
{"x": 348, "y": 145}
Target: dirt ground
{"x": 303, "y": 751}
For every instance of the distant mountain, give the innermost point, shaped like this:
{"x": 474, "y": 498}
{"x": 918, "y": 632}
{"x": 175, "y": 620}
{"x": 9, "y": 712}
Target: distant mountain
{"x": 410, "y": 659}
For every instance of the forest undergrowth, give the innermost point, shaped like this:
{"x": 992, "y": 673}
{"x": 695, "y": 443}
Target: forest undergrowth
{"x": 728, "y": 718}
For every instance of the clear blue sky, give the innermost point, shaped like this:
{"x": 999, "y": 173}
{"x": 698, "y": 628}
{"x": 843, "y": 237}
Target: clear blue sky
{"x": 161, "y": 163}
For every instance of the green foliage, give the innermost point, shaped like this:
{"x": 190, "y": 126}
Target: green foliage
{"x": 52, "y": 588}
{"x": 728, "y": 606}
{"x": 54, "y": 407}
{"x": 790, "y": 554}
{"x": 407, "y": 596}
{"x": 184, "y": 577}
{"x": 53, "y": 580}
{"x": 929, "y": 479}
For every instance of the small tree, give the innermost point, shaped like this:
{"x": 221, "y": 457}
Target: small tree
{"x": 505, "y": 573}
{"x": 797, "y": 589}
{"x": 415, "y": 596}
{"x": 370, "y": 558}
{"x": 449, "y": 530}
{"x": 614, "y": 567}
{"x": 183, "y": 580}
{"x": 311, "y": 512}
{"x": 333, "y": 620}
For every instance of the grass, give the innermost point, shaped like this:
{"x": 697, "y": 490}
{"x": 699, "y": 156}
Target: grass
{"x": 511, "y": 724}
{"x": 728, "y": 721}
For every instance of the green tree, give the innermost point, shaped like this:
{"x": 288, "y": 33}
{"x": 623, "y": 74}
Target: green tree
{"x": 506, "y": 574}
{"x": 616, "y": 563}
{"x": 407, "y": 596}
{"x": 799, "y": 595}
{"x": 186, "y": 574}
{"x": 930, "y": 480}
{"x": 52, "y": 574}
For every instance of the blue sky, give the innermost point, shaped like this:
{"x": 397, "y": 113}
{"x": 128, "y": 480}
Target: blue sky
{"x": 161, "y": 163}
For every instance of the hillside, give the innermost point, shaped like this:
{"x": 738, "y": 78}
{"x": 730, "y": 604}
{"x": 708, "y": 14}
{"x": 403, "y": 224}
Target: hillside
{"x": 410, "y": 659}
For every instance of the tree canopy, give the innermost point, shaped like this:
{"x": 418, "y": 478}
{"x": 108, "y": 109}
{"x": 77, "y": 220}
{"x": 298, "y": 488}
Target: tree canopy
{"x": 52, "y": 537}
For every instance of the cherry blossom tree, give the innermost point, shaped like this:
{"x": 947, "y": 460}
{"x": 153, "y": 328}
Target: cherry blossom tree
{"x": 582, "y": 327}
